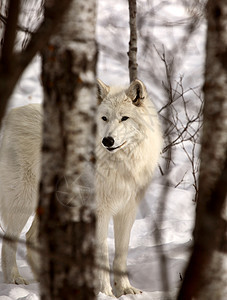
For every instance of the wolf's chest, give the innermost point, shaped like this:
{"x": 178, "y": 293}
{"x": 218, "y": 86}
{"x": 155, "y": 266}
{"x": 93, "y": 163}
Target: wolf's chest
{"x": 114, "y": 191}
{"x": 116, "y": 180}
{"x": 117, "y": 171}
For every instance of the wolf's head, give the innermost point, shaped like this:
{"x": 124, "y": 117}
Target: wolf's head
{"x": 119, "y": 118}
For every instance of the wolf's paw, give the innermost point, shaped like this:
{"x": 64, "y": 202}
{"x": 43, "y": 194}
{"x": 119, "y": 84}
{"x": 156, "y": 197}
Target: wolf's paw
{"x": 21, "y": 280}
{"x": 108, "y": 292}
{"x": 17, "y": 280}
{"x": 121, "y": 290}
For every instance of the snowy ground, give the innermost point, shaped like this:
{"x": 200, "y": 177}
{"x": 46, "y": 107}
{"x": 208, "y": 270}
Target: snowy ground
{"x": 156, "y": 232}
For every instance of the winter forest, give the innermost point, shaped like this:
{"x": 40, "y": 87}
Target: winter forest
{"x": 52, "y": 53}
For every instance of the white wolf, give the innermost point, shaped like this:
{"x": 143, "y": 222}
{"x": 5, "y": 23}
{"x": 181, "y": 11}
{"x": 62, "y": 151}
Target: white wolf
{"x": 128, "y": 145}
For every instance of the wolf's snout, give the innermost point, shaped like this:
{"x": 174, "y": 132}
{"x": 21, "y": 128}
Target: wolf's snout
{"x": 108, "y": 141}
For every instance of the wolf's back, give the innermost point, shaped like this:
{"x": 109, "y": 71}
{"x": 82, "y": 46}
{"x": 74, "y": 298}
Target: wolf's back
{"x": 20, "y": 159}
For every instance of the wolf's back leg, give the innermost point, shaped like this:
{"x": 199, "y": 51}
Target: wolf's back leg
{"x": 9, "y": 248}
{"x": 17, "y": 205}
{"x": 33, "y": 248}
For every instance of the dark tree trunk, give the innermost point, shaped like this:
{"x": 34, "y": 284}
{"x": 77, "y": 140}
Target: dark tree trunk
{"x": 133, "y": 41}
{"x": 66, "y": 208}
{"x": 205, "y": 277}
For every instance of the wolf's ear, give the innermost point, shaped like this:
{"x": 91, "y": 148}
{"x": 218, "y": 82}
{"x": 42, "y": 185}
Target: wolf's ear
{"x": 102, "y": 90}
{"x": 137, "y": 92}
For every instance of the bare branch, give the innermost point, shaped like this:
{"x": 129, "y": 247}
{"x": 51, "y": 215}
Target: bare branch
{"x": 3, "y": 19}
{"x": 54, "y": 13}
{"x": 9, "y": 36}
{"x": 210, "y": 228}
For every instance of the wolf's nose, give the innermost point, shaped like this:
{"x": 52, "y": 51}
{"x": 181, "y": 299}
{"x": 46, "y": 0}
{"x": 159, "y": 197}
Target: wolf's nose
{"x": 108, "y": 141}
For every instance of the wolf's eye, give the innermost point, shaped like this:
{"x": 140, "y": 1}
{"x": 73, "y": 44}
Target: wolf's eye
{"x": 124, "y": 118}
{"x": 104, "y": 118}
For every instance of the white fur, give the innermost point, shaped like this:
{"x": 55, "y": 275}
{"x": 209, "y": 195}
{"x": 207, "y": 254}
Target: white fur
{"x": 122, "y": 176}
{"x": 19, "y": 176}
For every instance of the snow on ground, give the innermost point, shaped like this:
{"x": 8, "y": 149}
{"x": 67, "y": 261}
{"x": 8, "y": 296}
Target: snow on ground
{"x": 164, "y": 224}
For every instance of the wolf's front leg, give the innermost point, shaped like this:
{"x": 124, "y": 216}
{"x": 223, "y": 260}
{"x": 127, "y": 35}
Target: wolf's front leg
{"x": 102, "y": 253}
{"x": 122, "y": 227}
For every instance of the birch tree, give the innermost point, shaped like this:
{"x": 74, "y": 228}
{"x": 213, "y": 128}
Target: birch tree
{"x": 205, "y": 277}
{"x": 66, "y": 208}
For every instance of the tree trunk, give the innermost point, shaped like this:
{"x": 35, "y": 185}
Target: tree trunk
{"x": 133, "y": 41}
{"x": 66, "y": 208}
{"x": 205, "y": 277}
